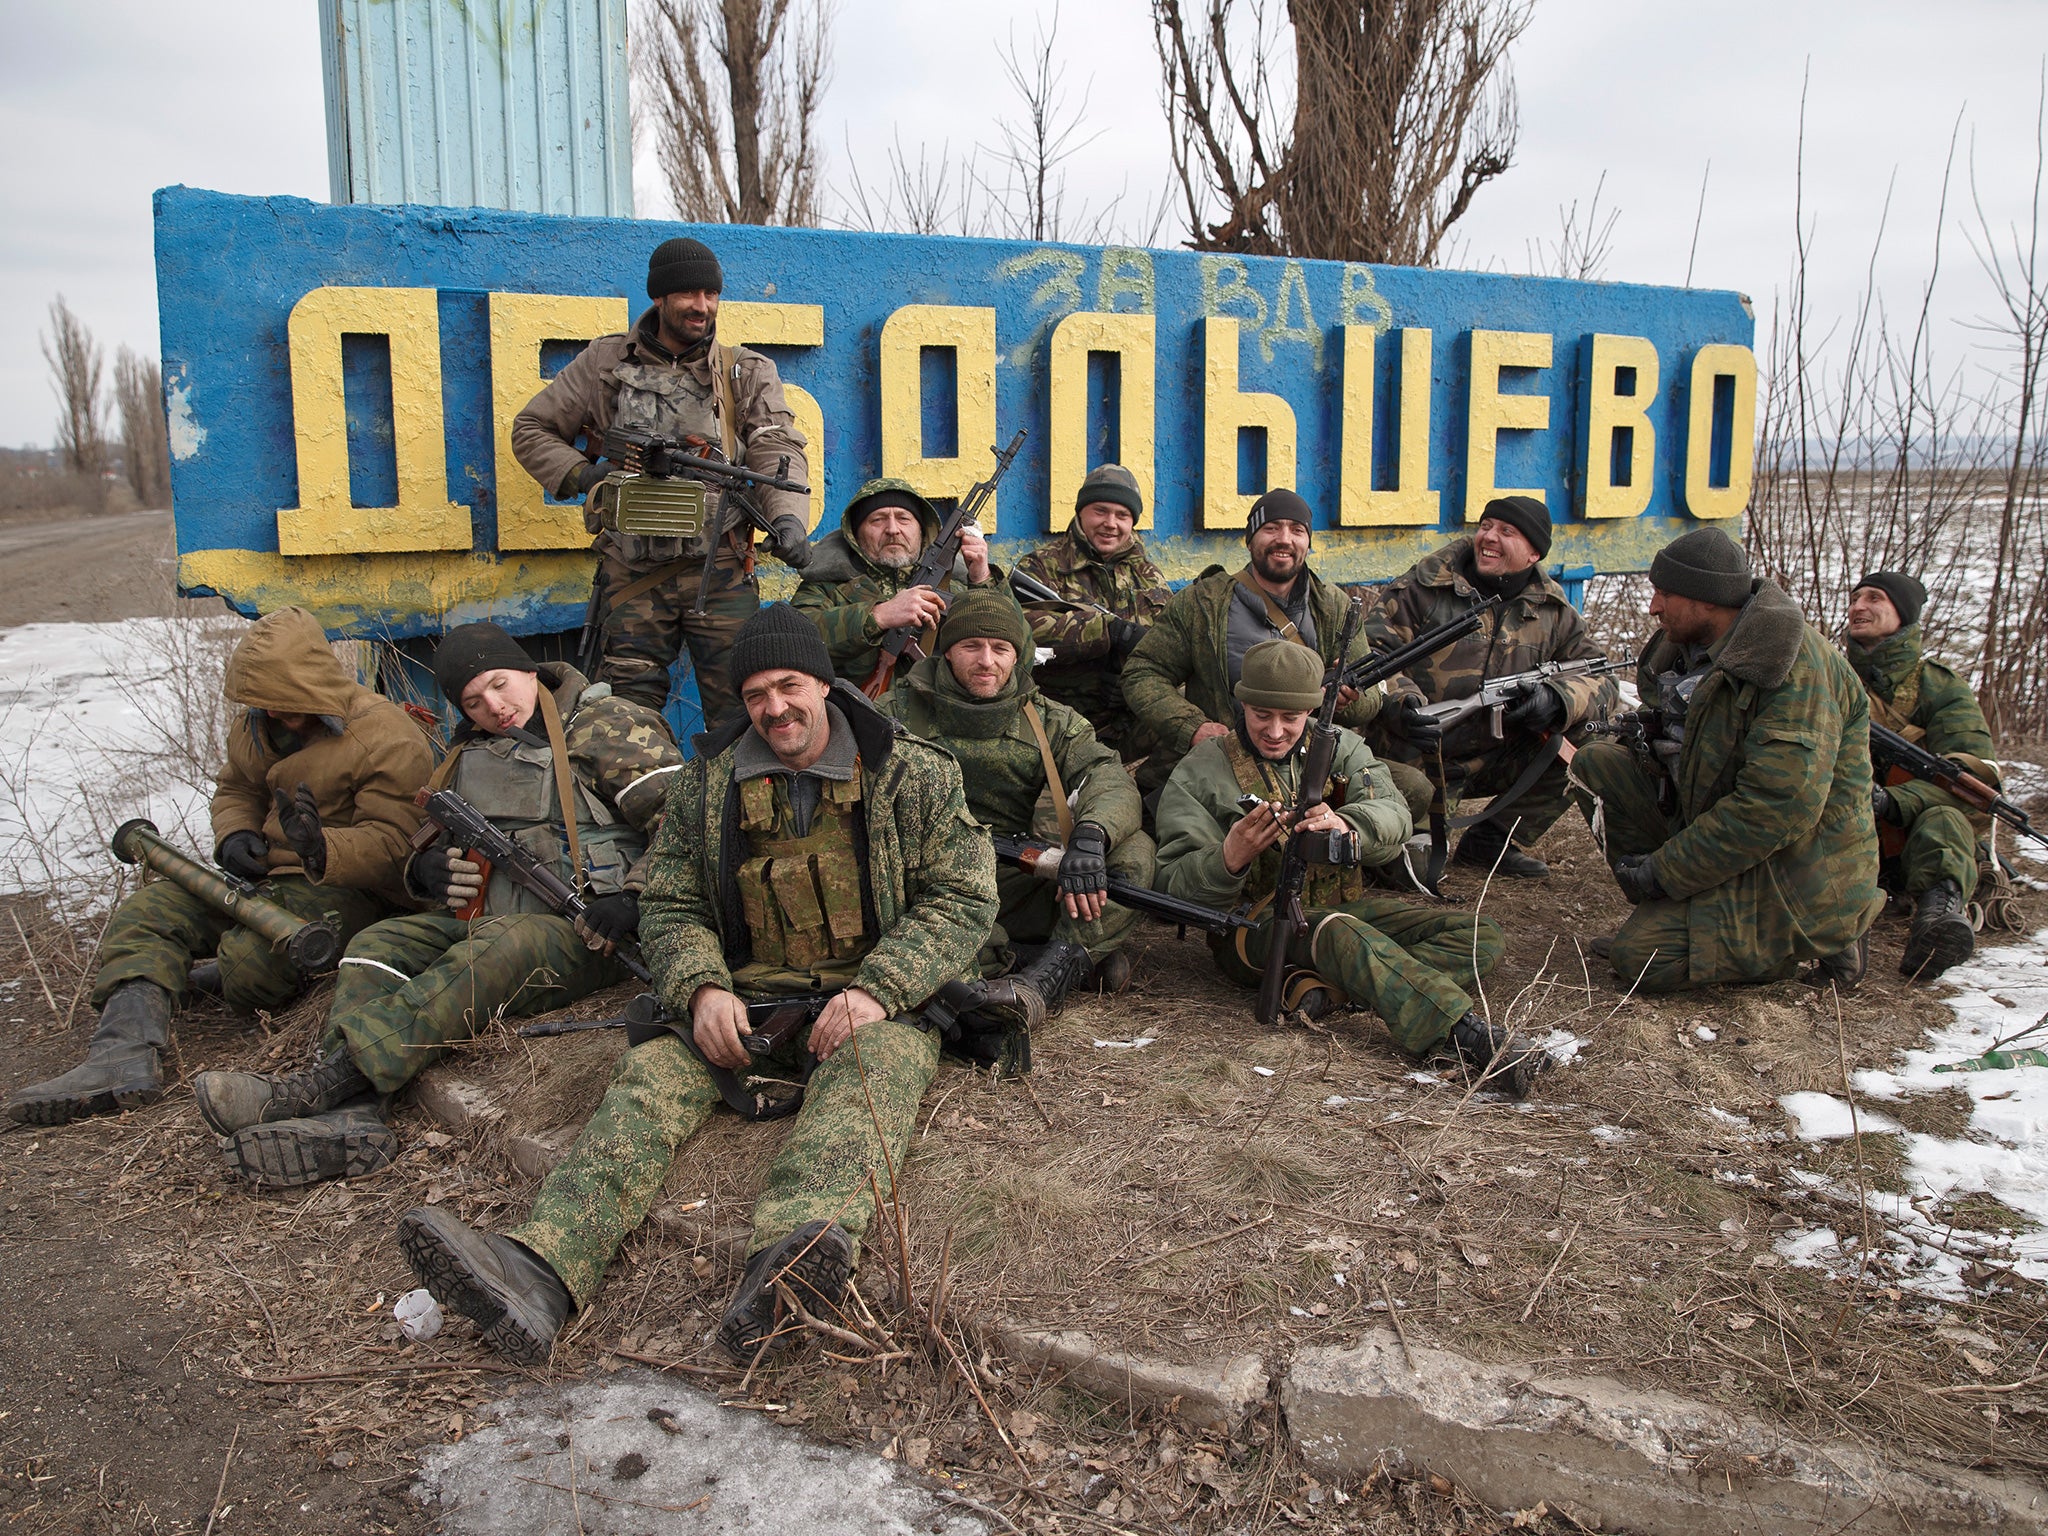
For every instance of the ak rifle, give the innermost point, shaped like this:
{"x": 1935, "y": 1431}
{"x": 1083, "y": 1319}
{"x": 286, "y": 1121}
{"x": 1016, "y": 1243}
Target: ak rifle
{"x": 1043, "y": 860}
{"x": 1888, "y": 749}
{"x": 1378, "y": 666}
{"x": 1497, "y": 693}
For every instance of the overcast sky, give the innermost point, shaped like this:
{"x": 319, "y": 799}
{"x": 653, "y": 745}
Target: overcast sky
{"x": 104, "y": 100}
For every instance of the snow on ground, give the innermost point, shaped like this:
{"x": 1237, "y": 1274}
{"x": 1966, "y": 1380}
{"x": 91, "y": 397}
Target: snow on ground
{"x": 98, "y": 723}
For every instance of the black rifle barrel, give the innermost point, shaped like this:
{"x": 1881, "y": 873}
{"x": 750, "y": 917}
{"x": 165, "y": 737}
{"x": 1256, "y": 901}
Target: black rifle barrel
{"x": 1381, "y": 665}
{"x": 1042, "y": 860}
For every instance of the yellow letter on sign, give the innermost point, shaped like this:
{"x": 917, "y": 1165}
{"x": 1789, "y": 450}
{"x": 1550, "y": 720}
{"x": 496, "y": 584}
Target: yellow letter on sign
{"x": 1130, "y": 337}
{"x": 1492, "y": 413}
{"x": 744, "y": 323}
{"x": 325, "y": 522}
{"x": 1617, "y": 441}
{"x": 521, "y": 323}
{"x": 1711, "y": 368}
{"x": 971, "y": 334}
{"x": 1225, "y": 411}
{"x": 1409, "y": 501}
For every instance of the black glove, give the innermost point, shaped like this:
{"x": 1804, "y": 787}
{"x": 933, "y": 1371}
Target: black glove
{"x": 1637, "y": 877}
{"x": 1084, "y": 867}
{"x": 1123, "y": 639}
{"x": 299, "y": 816}
{"x": 790, "y": 543}
{"x": 244, "y": 854}
{"x": 610, "y": 921}
{"x": 427, "y": 874}
{"x": 1536, "y": 711}
{"x": 1418, "y": 728}
{"x": 1882, "y": 805}
{"x": 588, "y": 476}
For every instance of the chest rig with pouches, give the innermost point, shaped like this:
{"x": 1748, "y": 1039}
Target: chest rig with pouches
{"x": 1325, "y": 885}
{"x": 802, "y": 896}
{"x": 667, "y": 401}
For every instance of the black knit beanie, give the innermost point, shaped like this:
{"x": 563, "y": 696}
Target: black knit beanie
{"x": 1704, "y": 565}
{"x": 1276, "y": 505}
{"x": 1906, "y": 594}
{"x": 985, "y": 614}
{"x": 683, "y": 265}
{"x": 1114, "y": 484}
{"x": 469, "y": 650}
{"x": 778, "y": 638}
{"x": 1526, "y": 515}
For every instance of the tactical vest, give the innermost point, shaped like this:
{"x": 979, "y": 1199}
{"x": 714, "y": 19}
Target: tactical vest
{"x": 513, "y": 783}
{"x": 670, "y": 402}
{"x": 1327, "y": 885}
{"x": 1896, "y": 713}
{"x": 802, "y": 895}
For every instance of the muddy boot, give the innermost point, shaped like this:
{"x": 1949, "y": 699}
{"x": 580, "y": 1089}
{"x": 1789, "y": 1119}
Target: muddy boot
{"x": 1845, "y": 969}
{"x": 1111, "y": 974}
{"x": 815, "y": 1261}
{"x": 1940, "y": 936}
{"x": 230, "y": 1101}
{"x": 1508, "y": 1062}
{"x": 502, "y": 1286}
{"x": 1486, "y": 842}
{"x": 123, "y": 1064}
{"x": 346, "y": 1143}
{"x": 204, "y": 979}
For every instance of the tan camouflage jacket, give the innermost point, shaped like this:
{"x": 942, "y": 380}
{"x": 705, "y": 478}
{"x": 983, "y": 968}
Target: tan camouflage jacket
{"x": 1081, "y": 673}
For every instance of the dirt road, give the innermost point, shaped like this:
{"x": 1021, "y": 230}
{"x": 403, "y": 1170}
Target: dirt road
{"x": 119, "y": 566}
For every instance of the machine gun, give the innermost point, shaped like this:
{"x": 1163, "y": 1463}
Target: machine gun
{"x": 936, "y": 564}
{"x": 1381, "y": 665}
{"x": 1906, "y": 760}
{"x": 1030, "y": 589}
{"x": 1043, "y": 860}
{"x": 311, "y": 946}
{"x": 1497, "y": 693}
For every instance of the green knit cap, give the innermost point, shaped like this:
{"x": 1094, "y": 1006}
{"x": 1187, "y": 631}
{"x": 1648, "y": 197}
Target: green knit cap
{"x": 986, "y": 613}
{"x": 1281, "y": 674}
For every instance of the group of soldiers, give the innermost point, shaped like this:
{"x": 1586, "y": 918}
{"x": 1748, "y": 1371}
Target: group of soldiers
{"x": 832, "y": 852}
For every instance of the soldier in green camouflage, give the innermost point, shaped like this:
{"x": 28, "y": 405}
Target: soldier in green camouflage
{"x": 811, "y": 848}
{"x": 856, "y": 587}
{"x": 1928, "y": 839}
{"x": 1750, "y": 847}
{"x": 1024, "y": 758}
{"x": 1415, "y": 966}
{"x": 672, "y": 377}
{"x": 1114, "y": 594}
{"x": 1535, "y": 623}
{"x": 488, "y": 948}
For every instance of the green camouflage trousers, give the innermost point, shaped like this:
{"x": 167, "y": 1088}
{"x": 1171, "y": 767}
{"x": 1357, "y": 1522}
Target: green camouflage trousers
{"x": 644, "y": 635}
{"x": 1031, "y": 911}
{"x": 1940, "y": 845}
{"x": 659, "y": 1096}
{"x": 411, "y": 985}
{"x": 1414, "y": 966}
{"x": 158, "y": 932}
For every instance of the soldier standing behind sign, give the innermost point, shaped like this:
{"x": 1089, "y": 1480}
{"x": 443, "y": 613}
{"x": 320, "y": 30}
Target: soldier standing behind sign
{"x": 1099, "y": 565}
{"x": 672, "y": 377}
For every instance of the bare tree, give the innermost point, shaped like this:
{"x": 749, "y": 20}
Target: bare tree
{"x": 1583, "y": 244}
{"x": 737, "y": 142}
{"x": 1402, "y": 111}
{"x": 145, "y": 449}
{"x": 76, "y": 367}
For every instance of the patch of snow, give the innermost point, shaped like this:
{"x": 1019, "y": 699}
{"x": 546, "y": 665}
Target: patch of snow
{"x": 1428, "y": 1078}
{"x": 1823, "y": 1117}
{"x": 1726, "y": 1118}
{"x": 1335, "y": 1101}
{"x": 1263, "y": 1071}
{"x": 1563, "y": 1046}
{"x": 1705, "y": 1033}
{"x": 1611, "y": 1133}
{"x": 1136, "y": 1043}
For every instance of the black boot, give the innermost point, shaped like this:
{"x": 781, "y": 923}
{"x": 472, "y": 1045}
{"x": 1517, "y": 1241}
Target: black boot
{"x": 1053, "y": 972}
{"x": 1940, "y": 936}
{"x": 205, "y": 978}
{"x": 502, "y": 1286}
{"x": 1507, "y": 1061}
{"x": 123, "y": 1064}
{"x": 230, "y": 1101}
{"x": 1845, "y": 969}
{"x": 351, "y": 1142}
{"x": 1486, "y": 845}
{"x": 815, "y": 1261}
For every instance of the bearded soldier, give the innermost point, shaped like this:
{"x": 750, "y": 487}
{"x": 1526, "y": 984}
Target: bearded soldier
{"x": 314, "y": 802}
{"x": 1534, "y": 623}
{"x": 1415, "y": 966}
{"x": 672, "y": 377}
{"x": 1935, "y": 862}
{"x": 412, "y": 985}
{"x": 1019, "y": 751}
{"x": 1114, "y": 594}
{"x": 856, "y": 588}
{"x": 812, "y": 848}
{"x": 1742, "y": 831}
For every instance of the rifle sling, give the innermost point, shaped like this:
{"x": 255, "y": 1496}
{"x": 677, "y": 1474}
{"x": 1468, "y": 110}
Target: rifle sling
{"x": 647, "y": 583}
{"x": 1061, "y": 809}
{"x": 1275, "y": 614}
{"x": 1529, "y": 775}
{"x": 565, "y": 780}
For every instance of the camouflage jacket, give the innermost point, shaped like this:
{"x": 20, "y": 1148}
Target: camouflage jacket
{"x": 1539, "y": 625}
{"x": 999, "y": 756}
{"x": 1773, "y": 844}
{"x": 1189, "y": 647}
{"x": 842, "y": 585}
{"x": 931, "y": 870}
{"x": 1081, "y": 672}
{"x": 1927, "y": 701}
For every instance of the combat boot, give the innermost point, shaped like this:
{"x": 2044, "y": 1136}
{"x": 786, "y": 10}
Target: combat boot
{"x": 505, "y": 1288}
{"x": 1053, "y": 972}
{"x": 230, "y": 1101}
{"x": 1845, "y": 969}
{"x": 1486, "y": 844}
{"x": 815, "y": 1262}
{"x": 1940, "y": 936}
{"x": 123, "y": 1064}
{"x": 1507, "y": 1061}
{"x": 351, "y": 1142}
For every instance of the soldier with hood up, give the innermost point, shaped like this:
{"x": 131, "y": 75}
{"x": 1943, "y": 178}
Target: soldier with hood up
{"x": 314, "y": 804}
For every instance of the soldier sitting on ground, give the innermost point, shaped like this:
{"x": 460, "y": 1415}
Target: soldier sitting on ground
{"x": 1099, "y": 565}
{"x": 412, "y": 985}
{"x": 1414, "y": 965}
{"x": 856, "y": 587}
{"x": 314, "y": 802}
{"x": 1935, "y": 863}
{"x": 1742, "y": 831}
{"x": 813, "y": 849}
{"x": 1535, "y": 623}
{"x": 1016, "y": 749}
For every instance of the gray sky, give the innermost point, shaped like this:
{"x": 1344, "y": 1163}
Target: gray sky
{"x": 105, "y": 100}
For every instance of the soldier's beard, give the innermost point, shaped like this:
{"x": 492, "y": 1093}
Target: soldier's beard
{"x": 1288, "y": 568}
{"x": 894, "y": 556}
